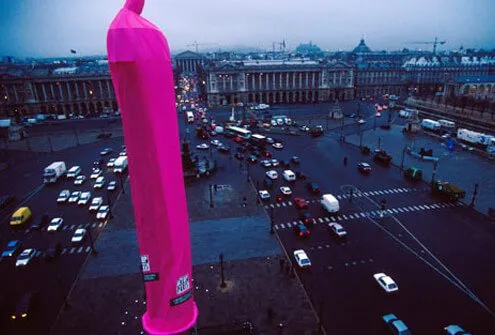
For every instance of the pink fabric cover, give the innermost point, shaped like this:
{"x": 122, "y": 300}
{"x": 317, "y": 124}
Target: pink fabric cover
{"x": 141, "y": 69}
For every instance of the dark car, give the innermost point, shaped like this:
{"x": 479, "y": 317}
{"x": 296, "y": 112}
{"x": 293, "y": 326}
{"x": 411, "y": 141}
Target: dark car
{"x": 364, "y": 168}
{"x": 6, "y": 200}
{"x": 224, "y": 149}
{"x": 41, "y": 222}
{"x": 239, "y": 156}
{"x": 285, "y": 163}
{"x": 268, "y": 183}
{"x": 300, "y": 175}
{"x": 228, "y": 134}
{"x": 12, "y": 248}
{"x": 237, "y": 139}
{"x": 256, "y": 153}
{"x": 302, "y": 231}
{"x": 241, "y": 149}
{"x": 98, "y": 162}
{"x": 252, "y": 159}
{"x": 307, "y": 218}
{"x": 313, "y": 187}
{"x": 53, "y": 251}
{"x": 295, "y": 160}
{"x": 26, "y": 306}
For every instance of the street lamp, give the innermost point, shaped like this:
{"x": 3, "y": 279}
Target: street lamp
{"x": 435, "y": 163}
{"x": 222, "y": 284}
{"x": 473, "y": 198}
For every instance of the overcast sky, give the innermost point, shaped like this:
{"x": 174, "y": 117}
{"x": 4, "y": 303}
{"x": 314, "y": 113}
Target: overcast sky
{"x": 32, "y": 28}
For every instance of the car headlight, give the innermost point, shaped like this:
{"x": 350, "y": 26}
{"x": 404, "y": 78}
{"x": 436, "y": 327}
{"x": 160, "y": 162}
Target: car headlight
{"x": 24, "y": 315}
{"x": 13, "y": 317}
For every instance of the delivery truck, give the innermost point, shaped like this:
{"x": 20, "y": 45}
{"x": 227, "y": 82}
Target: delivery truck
{"x": 430, "y": 125}
{"x": 330, "y": 203}
{"x": 53, "y": 172}
{"x": 120, "y": 164}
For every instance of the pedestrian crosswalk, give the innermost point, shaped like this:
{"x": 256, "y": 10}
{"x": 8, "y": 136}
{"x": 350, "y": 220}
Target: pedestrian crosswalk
{"x": 74, "y": 227}
{"x": 391, "y": 191}
{"x": 375, "y": 213}
{"x": 69, "y": 251}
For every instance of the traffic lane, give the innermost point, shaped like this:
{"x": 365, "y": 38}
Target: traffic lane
{"x": 468, "y": 251}
{"x": 43, "y": 277}
{"x": 50, "y": 126}
{"x": 349, "y": 268}
{"x": 24, "y": 178}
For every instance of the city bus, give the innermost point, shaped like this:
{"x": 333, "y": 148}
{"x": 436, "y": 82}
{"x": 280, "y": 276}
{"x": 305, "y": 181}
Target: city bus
{"x": 258, "y": 140}
{"x": 190, "y": 117}
{"x": 241, "y": 132}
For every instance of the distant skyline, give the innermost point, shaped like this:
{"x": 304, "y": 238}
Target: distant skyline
{"x": 50, "y": 28}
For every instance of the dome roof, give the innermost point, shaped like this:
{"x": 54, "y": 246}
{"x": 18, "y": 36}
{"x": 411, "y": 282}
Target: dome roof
{"x": 361, "y": 48}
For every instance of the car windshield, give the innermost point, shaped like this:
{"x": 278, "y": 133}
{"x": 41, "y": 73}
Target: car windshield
{"x": 304, "y": 261}
{"x": 24, "y": 255}
{"x": 16, "y": 218}
{"x": 78, "y": 234}
{"x": 392, "y": 286}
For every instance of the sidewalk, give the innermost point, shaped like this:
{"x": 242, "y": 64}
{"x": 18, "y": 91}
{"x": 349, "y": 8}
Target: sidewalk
{"x": 108, "y": 298}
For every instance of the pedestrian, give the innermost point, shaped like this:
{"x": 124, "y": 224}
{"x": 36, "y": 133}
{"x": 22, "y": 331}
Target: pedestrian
{"x": 345, "y": 161}
{"x": 215, "y": 187}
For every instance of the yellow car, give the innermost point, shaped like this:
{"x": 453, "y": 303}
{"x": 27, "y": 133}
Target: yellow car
{"x": 20, "y": 216}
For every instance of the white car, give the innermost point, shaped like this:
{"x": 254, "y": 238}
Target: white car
{"x": 386, "y": 282}
{"x": 337, "y": 229}
{"x": 378, "y": 114}
{"x": 304, "y": 128}
{"x": 123, "y": 153}
{"x": 95, "y": 204}
{"x": 286, "y": 190}
{"x": 266, "y": 163}
{"x": 80, "y": 180}
{"x": 202, "y": 146}
{"x": 84, "y": 198}
{"x": 25, "y": 257}
{"x": 112, "y": 185}
{"x": 273, "y": 122}
{"x": 302, "y": 258}
{"x": 103, "y": 212}
{"x": 111, "y": 162}
{"x": 100, "y": 182}
{"x": 78, "y": 236}
{"x": 63, "y": 196}
{"x": 216, "y": 143}
{"x": 278, "y": 145}
{"x": 106, "y": 151}
{"x": 272, "y": 174}
{"x": 96, "y": 173}
{"x": 55, "y": 224}
{"x": 361, "y": 121}
{"x": 264, "y": 195}
{"x": 74, "y": 197}
{"x": 275, "y": 162}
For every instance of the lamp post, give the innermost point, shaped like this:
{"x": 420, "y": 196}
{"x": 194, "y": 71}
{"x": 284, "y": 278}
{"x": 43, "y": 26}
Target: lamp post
{"x": 473, "y": 198}
{"x": 222, "y": 284}
{"x": 403, "y": 157}
{"x": 211, "y": 197}
{"x": 271, "y": 221}
{"x": 435, "y": 163}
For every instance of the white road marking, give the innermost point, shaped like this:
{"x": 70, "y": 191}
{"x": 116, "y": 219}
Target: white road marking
{"x": 326, "y": 219}
{"x": 282, "y": 225}
{"x": 395, "y": 211}
{"x": 64, "y": 251}
{"x": 406, "y": 209}
{"x": 101, "y": 224}
{"x": 339, "y": 197}
{"x": 345, "y": 217}
{"x": 266, "y": 207}
{"x": 79, "y": 250}
{"x": 276, "y": 227}
{"x": 400, "y": 210}
{"x": 380, "y": 192}
{"x": 88, "y": 248}
{"x": 72, "y": 250}
{"x": 271, "y": 206}
{"x": 333, "y": 219}
{"x": 365, "y": 193}
{"x": 94, "y": 225}
{"x": 363, "y": 215}
{"x": 339, "y": 218}
{"x": 278, "y": 205}
{"x": 320, "y": 220}
{"x": 37, "y": 253}
{"x": 288, "y": 224}
{"x": 290, "y": 203}
{"x": 72, "y": 227}
{"x": 283, "y": 204}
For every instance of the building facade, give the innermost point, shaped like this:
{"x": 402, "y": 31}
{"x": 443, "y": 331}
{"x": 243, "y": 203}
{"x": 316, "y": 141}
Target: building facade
{"x": 83, "y": 90}
{"x": 475, "y": 87}
{"x": 376, "y": 78}
{"x": 188, "y": 62}
{"x": 278, "y": 81}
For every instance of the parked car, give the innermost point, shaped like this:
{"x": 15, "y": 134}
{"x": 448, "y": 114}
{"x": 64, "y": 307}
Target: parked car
{"x": 111, "y": 162}
{"x": 106, "y": 151}
{"x": 386, "y": 282}
{"x": 55, "y": 224}
{"x": 79, "y": 235}
{"x": 79, "y": 180}
{"x": 74, "y": 197}
{"x": 313, "y": 187}
{"x": 99, "y": 183}
{"x": 84, "y": 198}
{"x": 203, "y": 146}
{"x": 295, "y": 160}
{"x": 395, "y": 325}
{"x": 103, "y": 212}
{"x": 95, "y": 204}
{"x": 455, "y": 330}
{"x": 112, "y": 185}
{"x": 41, "y": 222}
{"x": 302, "y": 259}
{"x": 12, "y": 248}
{"x": 264, "y": 195}
{"x": 63, "y": 196}
{"x": 337, "y": 230}
{"x": 272, "y": 174}
{"x": 25, "y": 257}
{"x": 95, "y": 174}
{"x": 252, "y": 159}
{"x": 278, "y": 146}
{"x": 301, "y": 203}
{"x": 302, "y": 231}
{"x": 364, "y": 167}
{"x": 285, "y": 190}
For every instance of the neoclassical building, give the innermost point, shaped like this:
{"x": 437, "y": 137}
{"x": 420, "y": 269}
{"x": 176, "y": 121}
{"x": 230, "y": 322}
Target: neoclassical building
{"x": 278, "y": 81}
{"x": 77, "y": 90}
{"x": 477, "y": 87}
{"x": 188, "y": 61}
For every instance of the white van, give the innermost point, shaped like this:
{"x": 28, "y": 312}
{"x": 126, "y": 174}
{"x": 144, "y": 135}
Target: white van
{"x": 330, "y": 203}
{"x": 289, "y": 175}
{"x": 74, "y": 172}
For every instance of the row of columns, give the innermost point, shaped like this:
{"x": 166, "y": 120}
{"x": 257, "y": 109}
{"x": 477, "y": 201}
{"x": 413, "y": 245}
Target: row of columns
{"x": 278, "y": 80}
{"x": 73, "y": 90}
{"x": 188, "y": 65}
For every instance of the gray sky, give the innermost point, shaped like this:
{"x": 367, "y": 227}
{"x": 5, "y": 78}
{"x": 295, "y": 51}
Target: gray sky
{"x": 52, "y": 27}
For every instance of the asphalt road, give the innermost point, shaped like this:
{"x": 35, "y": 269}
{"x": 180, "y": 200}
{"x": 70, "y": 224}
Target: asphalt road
{"x": 53, "y": 279}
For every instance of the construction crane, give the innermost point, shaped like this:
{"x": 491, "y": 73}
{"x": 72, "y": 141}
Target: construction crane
{"x": 435, "y": 43}
{"x": 281, "y": 46}
{"x": 196, "y": 44}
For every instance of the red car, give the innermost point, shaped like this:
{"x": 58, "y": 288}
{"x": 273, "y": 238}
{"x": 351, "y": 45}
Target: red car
{"x": 301, "y": 203}
{"x": 237, "y": 139}
{"x": 266, "y": 154}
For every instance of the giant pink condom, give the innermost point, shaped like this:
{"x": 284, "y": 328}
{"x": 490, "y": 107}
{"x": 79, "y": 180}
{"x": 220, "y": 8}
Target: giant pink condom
{"x": 141, "y": 69}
